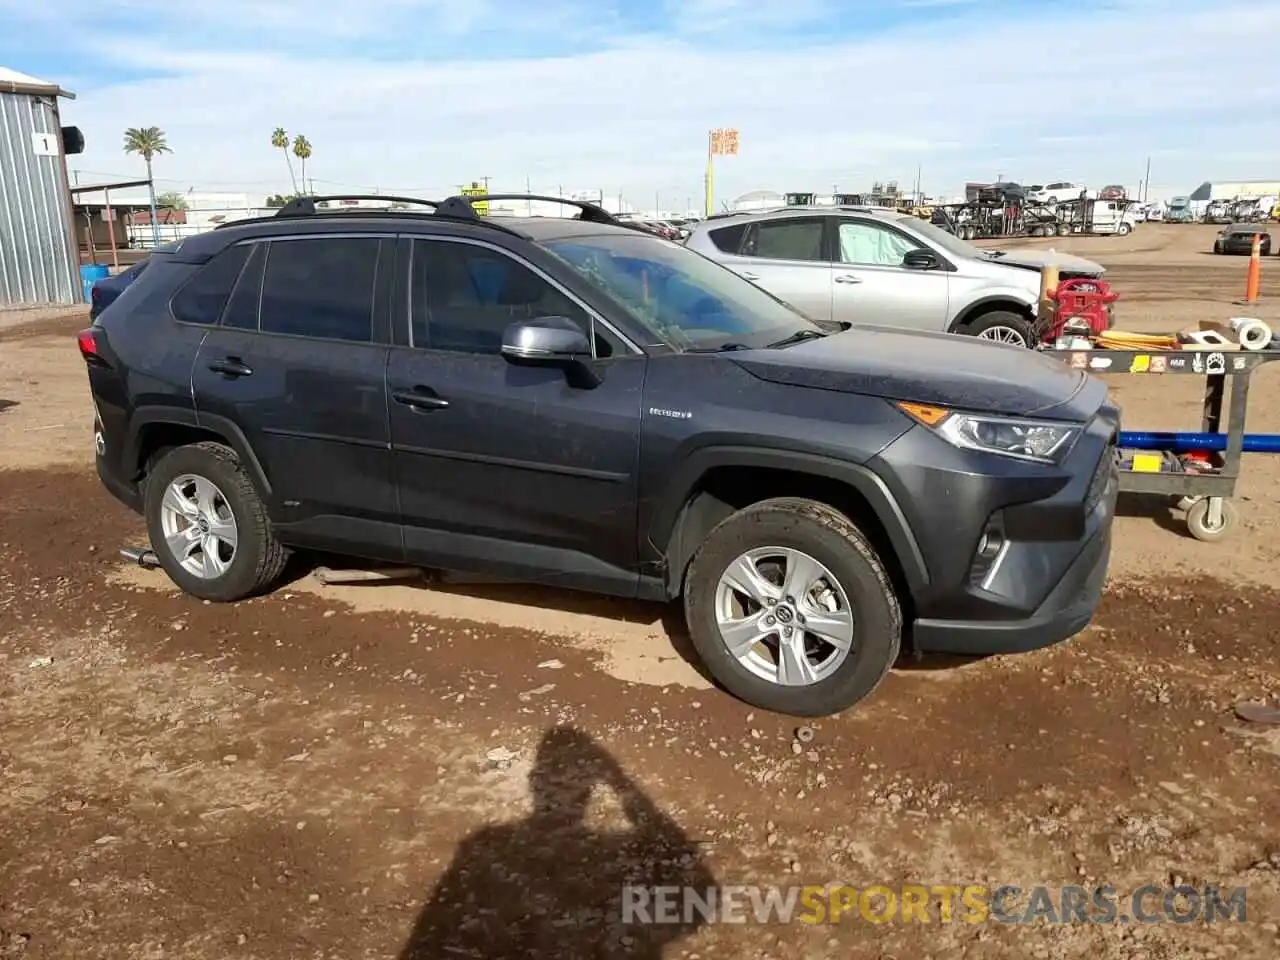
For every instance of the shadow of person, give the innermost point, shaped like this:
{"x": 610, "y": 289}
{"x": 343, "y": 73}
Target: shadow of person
{"x": 552, "y": 886}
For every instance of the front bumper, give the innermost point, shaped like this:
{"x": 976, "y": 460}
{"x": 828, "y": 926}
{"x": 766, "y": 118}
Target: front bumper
{"x": 1064, "y": 613}
{"x": 1053, "y": 530}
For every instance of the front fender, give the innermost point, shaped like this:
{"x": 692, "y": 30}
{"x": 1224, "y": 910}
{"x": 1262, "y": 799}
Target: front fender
{"x": 685, "y": 478}
{"x": 1017, "y": 299}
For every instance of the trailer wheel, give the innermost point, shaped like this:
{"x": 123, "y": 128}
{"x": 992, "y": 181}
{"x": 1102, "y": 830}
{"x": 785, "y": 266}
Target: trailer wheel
{"x": 1199, "y": 525}
{"x": 1064, "y": 229}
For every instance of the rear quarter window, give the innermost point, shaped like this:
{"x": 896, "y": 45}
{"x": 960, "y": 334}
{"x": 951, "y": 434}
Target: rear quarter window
{"x": 202, "y": 299}
{"x": 729, "y": 239}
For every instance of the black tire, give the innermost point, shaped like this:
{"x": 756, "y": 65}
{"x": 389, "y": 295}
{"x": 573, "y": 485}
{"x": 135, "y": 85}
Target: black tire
{"x": 1000, "y": 318}
{"x": 831, "y": 538}
{"x": 259, "y": 558}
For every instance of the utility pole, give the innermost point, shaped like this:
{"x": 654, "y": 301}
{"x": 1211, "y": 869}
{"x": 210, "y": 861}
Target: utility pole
{"x": 919, "y": 169}
{"x": 1146, "y": 183}
{"x": 657, "y": 204}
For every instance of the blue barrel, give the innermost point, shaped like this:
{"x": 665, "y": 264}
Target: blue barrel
{"x": 90, "y": 274}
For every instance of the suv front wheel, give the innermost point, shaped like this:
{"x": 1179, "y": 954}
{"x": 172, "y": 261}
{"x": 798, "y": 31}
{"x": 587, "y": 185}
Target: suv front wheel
{"x": 208, "y": 526}
{"x": 791, "y": 610}
{"x": 1003, "y": 326}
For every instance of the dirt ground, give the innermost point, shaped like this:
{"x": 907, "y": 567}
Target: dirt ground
{"x": 400, "y": 771}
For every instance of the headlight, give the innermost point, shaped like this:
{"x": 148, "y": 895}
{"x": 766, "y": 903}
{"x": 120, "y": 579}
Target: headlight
{"x": 1040, "y": 441}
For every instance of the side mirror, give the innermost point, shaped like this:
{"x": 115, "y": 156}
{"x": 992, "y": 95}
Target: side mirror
{"x": 920, "y": 260}
{"x": 555, "y": 341}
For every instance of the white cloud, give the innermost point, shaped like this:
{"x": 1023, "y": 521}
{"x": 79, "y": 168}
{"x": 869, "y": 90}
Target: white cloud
{"x": 1071, "y": 93}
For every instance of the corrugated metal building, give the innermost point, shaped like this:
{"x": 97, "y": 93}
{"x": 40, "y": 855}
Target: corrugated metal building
{"x": 38, "y": 259}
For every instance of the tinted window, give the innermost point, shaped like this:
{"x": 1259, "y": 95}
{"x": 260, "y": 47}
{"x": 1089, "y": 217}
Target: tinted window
{"x": 203, "y": 297}
{"x": 242, "y": 308}
{"x": 786, "y": 240}
{"x": 321, "y": 288}
{"x": 465, "y": 296}
{"x": 729, "y": 239}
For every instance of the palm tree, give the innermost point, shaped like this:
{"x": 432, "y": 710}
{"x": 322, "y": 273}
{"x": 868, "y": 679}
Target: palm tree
{"x": 280, "y": 140}
{"x": 146, "y": 142}
{"x": 302, "y": 150}
{"x": 171, "y": 202}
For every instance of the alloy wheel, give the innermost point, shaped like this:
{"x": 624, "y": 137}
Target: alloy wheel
{"x": 784, "y": 616}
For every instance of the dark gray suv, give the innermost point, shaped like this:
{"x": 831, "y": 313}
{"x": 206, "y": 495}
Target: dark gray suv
{"x": 575, "y": 403}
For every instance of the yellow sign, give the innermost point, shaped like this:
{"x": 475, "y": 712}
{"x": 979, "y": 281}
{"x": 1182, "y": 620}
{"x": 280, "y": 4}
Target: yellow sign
{"x": 724, "y": 142}
{"x": 481, "y": 207}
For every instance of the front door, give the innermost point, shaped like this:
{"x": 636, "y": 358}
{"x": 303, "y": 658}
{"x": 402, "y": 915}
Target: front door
{"x": 870, "y": 284}
{"x": 506, "y": 469}
{"x": 298, "y": 364}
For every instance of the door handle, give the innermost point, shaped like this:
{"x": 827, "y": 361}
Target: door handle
{"x": 420, "y": 398}
{"x": 232, "y": 367}
{"x": 749, "y": 276}
{"x": 848, "y": 278}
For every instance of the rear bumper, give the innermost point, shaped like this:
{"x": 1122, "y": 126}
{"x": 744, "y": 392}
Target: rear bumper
{"x": 130, "y": 494}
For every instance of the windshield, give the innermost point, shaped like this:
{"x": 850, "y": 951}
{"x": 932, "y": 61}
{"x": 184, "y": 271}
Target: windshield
{"x": 683, "y": 298}
{"x": 947, "y": 241}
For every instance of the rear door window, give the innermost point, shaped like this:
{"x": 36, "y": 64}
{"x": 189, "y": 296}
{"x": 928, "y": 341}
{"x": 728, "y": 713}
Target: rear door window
{"x": 321, "y": 287}
{"x": 203, "y": 298}
{"x": 242, "y": 309}
{"x": 786, "y": 240}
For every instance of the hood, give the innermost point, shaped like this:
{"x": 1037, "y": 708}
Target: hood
{"x": 1068, "y": 265}
{"x": 946, "y": 370}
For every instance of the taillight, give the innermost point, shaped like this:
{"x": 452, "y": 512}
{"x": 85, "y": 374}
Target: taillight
{"x": 87, "y": 341}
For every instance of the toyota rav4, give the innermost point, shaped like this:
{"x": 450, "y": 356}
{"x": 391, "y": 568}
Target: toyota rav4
{"x": 569, "y": 402}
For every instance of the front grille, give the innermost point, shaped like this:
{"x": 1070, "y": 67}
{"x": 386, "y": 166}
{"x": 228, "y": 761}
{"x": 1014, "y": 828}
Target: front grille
{"x": 1108, "y": 467}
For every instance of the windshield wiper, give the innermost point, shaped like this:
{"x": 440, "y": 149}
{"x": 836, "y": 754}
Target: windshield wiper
{"x": 798, "y": 337}
{"x": 722, "y": 348}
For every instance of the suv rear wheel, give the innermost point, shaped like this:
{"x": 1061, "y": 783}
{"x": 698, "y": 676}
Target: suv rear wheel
{"x": 791, "y": 610}
{"x": 207, "y": 525}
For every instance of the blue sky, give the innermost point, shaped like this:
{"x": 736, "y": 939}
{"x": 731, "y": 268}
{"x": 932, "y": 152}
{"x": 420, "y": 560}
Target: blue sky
{"x": 613, "y": 95}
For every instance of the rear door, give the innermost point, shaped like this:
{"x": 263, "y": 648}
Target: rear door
{"x": 784, "y": 256}
{"x": 871, "y": 285}
{"x": 298, "y": 366}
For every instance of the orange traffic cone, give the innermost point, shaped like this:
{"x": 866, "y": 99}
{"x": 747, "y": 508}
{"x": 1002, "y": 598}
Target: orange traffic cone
{"x": 1253, "y": 278}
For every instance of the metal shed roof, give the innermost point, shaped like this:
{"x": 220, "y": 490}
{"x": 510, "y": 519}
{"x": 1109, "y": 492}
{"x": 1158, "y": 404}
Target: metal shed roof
{"x": 11, "y": 81}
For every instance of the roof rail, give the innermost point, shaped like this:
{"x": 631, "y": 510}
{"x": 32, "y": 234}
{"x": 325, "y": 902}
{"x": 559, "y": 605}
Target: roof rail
{"x": 306, "y": 206}
{"x": 462, "y": 206}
